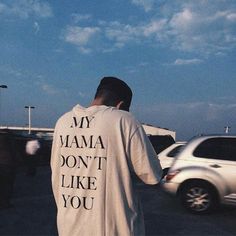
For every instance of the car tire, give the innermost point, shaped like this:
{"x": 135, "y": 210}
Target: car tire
{"x": 198, "y": 197}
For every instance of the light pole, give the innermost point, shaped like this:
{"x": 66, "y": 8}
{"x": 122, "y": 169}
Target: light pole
{"x": 1, "y": 87}
{"x": 227, "y": 128}
{"x": 29, "y": 113}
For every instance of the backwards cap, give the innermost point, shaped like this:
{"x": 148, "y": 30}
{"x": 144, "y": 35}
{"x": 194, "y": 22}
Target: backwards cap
{"x": 119, "y": 87}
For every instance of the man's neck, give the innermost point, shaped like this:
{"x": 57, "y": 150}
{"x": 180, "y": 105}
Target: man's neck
{"x": 97, "y": 102}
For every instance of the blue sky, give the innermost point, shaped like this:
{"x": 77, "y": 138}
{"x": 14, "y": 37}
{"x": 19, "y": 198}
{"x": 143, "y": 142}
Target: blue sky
{"x": 178, "y": 57}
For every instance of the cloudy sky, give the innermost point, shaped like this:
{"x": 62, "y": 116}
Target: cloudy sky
{"x": 178, "y": 56}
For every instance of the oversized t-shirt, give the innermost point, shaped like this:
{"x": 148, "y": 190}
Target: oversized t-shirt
{"x": 95, "y": 153}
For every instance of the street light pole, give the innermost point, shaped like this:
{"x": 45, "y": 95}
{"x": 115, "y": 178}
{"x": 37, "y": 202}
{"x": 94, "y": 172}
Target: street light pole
{"x": 227, "y": 128}
{"x": 29, "y": 115}
{"x": 1, "y": 87}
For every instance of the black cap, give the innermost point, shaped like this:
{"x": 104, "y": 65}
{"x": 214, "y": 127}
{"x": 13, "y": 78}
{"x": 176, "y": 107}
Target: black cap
{"x": 119, "y": 87}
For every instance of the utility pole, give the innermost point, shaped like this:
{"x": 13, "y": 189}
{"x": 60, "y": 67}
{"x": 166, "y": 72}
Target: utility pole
{"x": 227, "y": 128}
{"x": 3, "y": 86}
{"x": 29, "y": 116}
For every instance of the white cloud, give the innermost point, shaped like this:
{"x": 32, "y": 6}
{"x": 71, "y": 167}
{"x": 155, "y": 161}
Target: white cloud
{"x": 154, "y": 27}
{"x": 36, "y": 27}
{"x": 187, "y": 61}
{"x": 231, "y": 16}
{"x": 80, "y": 36}
{"x": 26, "y": 8}
{"x": 184, "y": 31}
{"x": 85, "y": 50}
{"x": 190, "y": 26}
{"x": 122, "y": 33}
{"x": 195, "y": 26}
{"x": 146, "y": 4}
{"x": 223, "y": 15}
{"x": 183, "y": 20}
{"x": 203, "y": 27}
{"x": 49, "y": 89}
{"x": 40, "y": 8}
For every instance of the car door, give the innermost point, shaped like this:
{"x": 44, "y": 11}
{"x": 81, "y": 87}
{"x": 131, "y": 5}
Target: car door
{"x": 219, "y": 154}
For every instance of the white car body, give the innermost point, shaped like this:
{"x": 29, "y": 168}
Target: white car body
{"x": 167, "y": 156}
{"x": 210, "y": 171}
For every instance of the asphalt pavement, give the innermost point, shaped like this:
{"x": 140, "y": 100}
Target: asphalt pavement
{"x": 34, "y": 212}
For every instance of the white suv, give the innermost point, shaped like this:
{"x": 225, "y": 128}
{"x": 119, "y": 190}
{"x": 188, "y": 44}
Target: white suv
{"x": 167, "y": 156}
{"x": 204, "y": 173}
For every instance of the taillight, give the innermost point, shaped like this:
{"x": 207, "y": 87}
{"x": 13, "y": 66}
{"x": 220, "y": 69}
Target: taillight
{"x": 171, "y": 175}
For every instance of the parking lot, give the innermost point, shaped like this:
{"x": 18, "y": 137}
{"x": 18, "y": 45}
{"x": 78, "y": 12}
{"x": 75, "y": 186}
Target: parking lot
{"x": 34, "y": 212}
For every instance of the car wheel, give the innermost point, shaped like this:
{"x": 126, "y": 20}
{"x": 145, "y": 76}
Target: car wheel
{"x": 198, "y": 197}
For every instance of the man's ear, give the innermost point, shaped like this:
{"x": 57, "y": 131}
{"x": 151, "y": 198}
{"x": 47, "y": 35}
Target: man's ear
{"x": 120, "y": 105}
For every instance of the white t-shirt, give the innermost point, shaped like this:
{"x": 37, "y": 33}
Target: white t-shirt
{"x": 95, "y": 151}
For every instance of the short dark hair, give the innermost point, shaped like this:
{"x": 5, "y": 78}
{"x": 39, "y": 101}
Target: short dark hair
{"x": 109, "y": 98}
{"x": 112, "y": 91}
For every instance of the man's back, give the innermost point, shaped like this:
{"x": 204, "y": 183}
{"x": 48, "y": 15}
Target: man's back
{"x": 95, "y": 151}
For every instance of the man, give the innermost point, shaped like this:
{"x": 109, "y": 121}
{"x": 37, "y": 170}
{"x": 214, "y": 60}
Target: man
{"x": 31, "y": 149}
{"x": 7, "y": 168}
{"x": 95, "y": 153}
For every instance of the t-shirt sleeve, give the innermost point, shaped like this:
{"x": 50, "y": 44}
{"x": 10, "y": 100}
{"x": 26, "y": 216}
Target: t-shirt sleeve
{"x": 55, "y": 164}
{"x": 143, "y": 157}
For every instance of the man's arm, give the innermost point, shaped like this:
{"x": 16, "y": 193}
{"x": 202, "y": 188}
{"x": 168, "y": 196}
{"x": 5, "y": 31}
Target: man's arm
{"x": 55, "y": 165}
{"x": 144, "y": 160}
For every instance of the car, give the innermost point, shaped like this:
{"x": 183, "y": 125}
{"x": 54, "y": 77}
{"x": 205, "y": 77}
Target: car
{"x": 204, "y": 172}
{"x": 161, "y": 142}
{"x": 166, "y": 157}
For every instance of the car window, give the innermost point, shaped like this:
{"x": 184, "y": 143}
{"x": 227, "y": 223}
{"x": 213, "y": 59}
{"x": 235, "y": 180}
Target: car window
{"x": 174, "y": 151}
{"x": 217, "y": 148}
{"x": 161, "y": 142}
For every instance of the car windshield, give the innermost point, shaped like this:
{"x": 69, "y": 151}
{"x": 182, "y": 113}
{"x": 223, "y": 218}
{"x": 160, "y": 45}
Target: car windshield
{"x": 175, "y": 151}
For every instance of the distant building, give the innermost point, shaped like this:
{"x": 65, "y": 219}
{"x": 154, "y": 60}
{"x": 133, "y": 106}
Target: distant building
{"x": 44, "y": 133}
{"x": 160, "y": 138}
{"x": 153, "y": 130}
{"x": 47, "y": 133}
